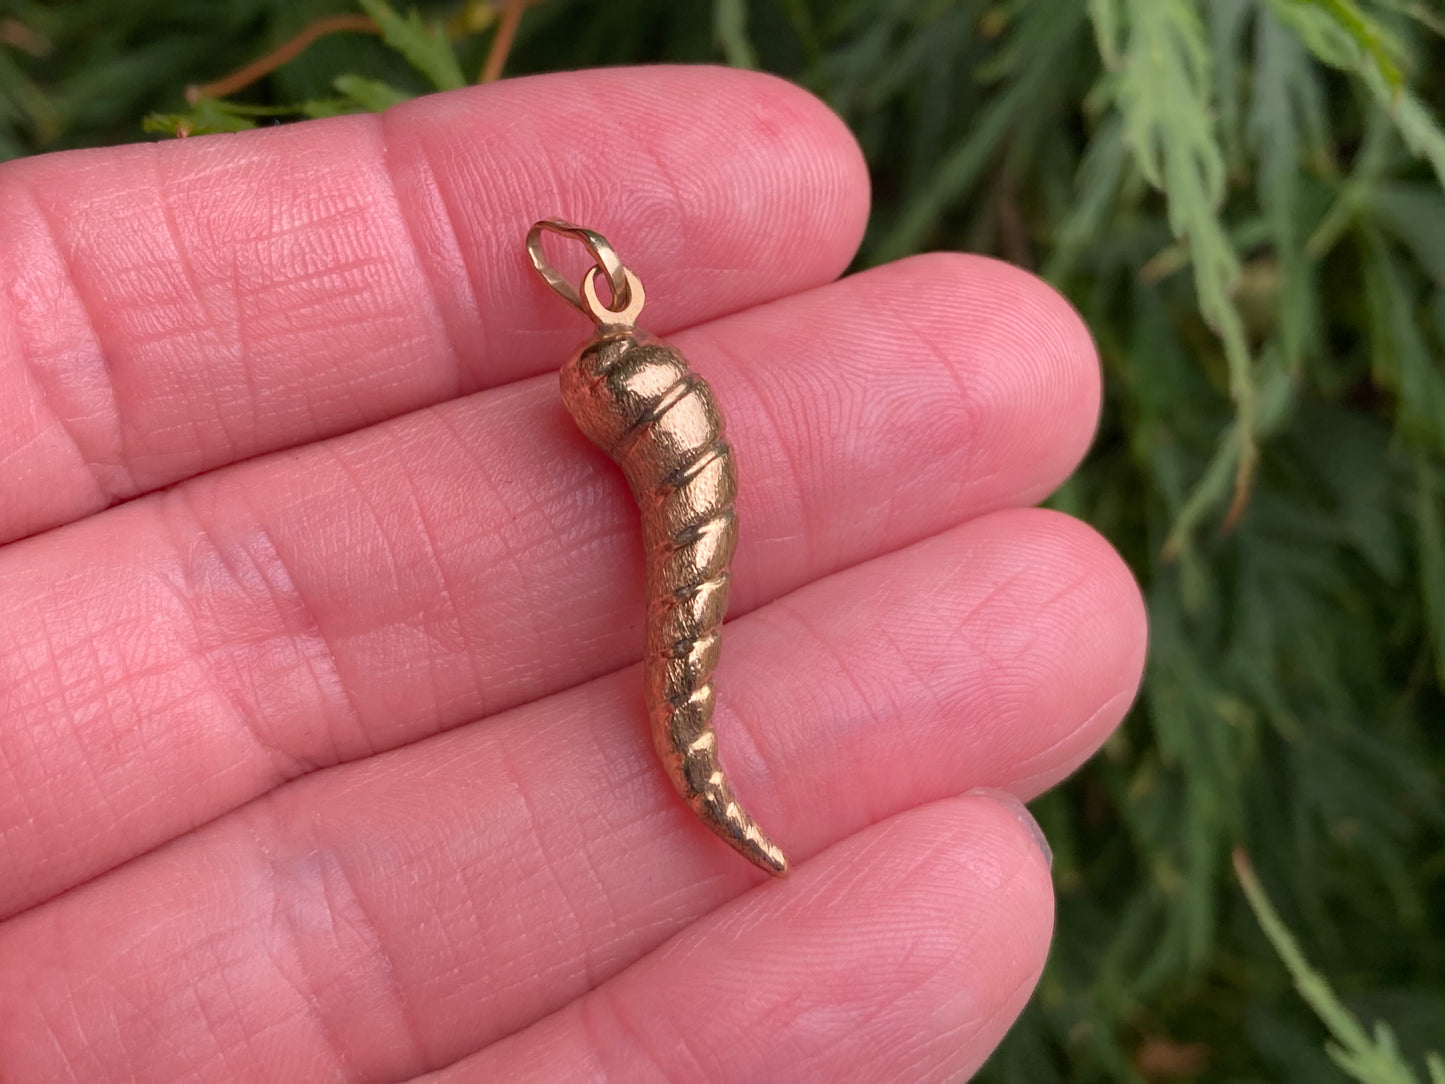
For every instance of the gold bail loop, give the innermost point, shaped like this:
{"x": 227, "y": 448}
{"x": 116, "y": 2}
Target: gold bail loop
{"x": 626, "y": 289}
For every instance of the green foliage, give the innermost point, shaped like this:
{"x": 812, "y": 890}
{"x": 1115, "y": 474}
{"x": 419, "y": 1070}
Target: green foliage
{"x": 424, "y": 44}
{"x": 1244, "y": 198}
{"x": 1369, "y": 1059}
{"x": 1161, "y": 84}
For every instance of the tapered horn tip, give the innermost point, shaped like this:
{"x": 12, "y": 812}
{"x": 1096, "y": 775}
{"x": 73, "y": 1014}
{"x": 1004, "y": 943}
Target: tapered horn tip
{"x": 766, "y": 855}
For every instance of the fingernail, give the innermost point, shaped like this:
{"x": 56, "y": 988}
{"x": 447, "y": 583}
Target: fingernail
{"x": 1021, "y": 814}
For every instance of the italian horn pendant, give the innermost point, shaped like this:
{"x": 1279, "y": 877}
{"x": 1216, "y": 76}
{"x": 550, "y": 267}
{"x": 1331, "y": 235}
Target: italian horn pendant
{"x": 636, "y": 398}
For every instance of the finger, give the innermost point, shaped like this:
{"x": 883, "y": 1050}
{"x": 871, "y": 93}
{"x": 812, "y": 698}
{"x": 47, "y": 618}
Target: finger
{"x": 173, "y": 659}
{"x": 902, "y": 954}
{"x": 165, "y": 309}
{"x": 415, "y": 907}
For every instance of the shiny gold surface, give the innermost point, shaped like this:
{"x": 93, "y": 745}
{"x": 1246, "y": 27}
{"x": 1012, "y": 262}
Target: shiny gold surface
{"x": 636, "y": 398}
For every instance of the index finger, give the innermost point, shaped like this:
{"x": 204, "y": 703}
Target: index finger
{"x": 167, "y": 309}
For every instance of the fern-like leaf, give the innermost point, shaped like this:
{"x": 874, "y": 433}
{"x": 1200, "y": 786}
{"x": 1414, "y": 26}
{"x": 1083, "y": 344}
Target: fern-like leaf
{"x": 1162, "y": 88}
{"x": 424, "y": 45}
{"x": 1368, "y": 1058}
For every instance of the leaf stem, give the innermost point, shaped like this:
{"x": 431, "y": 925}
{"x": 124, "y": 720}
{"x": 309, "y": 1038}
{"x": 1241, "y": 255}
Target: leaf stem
{"x": 502, "y": 41}
{"x": 263, "y": 66}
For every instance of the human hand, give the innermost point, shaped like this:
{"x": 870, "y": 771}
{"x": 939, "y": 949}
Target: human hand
{"x": 331, "y": 763}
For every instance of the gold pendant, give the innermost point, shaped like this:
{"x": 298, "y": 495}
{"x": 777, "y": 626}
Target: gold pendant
{"x": 636, "y": 399}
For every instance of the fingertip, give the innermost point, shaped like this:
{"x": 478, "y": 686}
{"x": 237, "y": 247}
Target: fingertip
{"x": 1000, "y": 866}
{"x": 981, "y": 370}
{"x": 801, "y": 134}
{"x": 1120, "y": 629}
{"x": 760, "y": 178}
{"x": 955, "y": 902}
{"x": 1020, "y": 812}
{"x": 1092, "y": 624}
{"x": 1043, "y": 352}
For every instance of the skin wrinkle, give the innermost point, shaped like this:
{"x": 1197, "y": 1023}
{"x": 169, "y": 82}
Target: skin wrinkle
{"x": 222, "y": 1049}
{"x": 673, "y": 193}
{"x": 330, "y": 684}
{"x": 921, "y": 683}
{"x": 284, "y": 763}
{"x": 1055, "y": 348}
{"x": 45, "y": 1007}
{"x": 517, "y": 560}
{"x": 1030, "y": 786}
{"x": 90, "y": 641}
{"x": 379, "y": 125}
{"x": 248, "y": 372}
{"x": 337, "y": 456}
{"x": 435, "y": 560}
{"x": 69, "y": 713}
{"x": 594, "y": 971}
{"x": 93, "y": 459}
{"x": 518, "y": 787}
{"x": 51, "y": 1035}
{"x": 372, "y": 932}
{"x": 85, "y": 985}
{"x": 283, "y": 920}
{"x": 617, "y": 1022}
{"x": 778, "y": 443}
{"x": 44, "y": 696}
{"x": 468, "y": 380}
{"x": 284, "y": 587}
{"x": 659, "y": 208}
{"x": 1082, "y": 580}
{"x": 212, "y": 321}
{"x": 791, "y": 609}
{"x": 670, "y": 818}
{"x": 974, "y": 418}
{"x": 484, "y": 476}
{"x": 43, "y": 399}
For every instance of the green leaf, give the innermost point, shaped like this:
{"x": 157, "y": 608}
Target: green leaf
{"x": 1049, "y": 34}
{"x": 1108, "y": 23}
{"x": 730, "y": 28}
{"x": 1229, "y": 22}
{"x": 1286, "y": 97}
{"x": 371, "y": 94}
{"x": 1339, "y": 34}
{"x": 424, "y": 44}
{"x": 1163, "y": 93}
{"x": 22, "y": 99}
{"x": 1417, "y": 126}
{"x": 1097, "y": 187}
{"x": 1431, "y": 20}
{"x": 212, "y": 115}
{"x": 1369, "y": 1059}
{"x": 1400, "y": 356}
{"x": 1430, "y": 517}
{"x": 206, "y": 117}
{"x": 1368, "y": 36}
{"x": 1414, "y": 214}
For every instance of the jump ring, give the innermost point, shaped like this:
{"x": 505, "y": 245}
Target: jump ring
{"x": 603, "y": 255}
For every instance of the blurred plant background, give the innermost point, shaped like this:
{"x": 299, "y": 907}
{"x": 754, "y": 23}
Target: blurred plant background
{"x": 1246, "y": 199}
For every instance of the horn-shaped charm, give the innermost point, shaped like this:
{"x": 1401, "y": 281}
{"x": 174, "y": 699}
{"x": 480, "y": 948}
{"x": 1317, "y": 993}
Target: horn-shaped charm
{"x": 636, "y": 398}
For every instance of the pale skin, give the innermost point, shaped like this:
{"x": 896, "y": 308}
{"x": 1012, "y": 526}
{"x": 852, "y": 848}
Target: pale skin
{"x": 322, "y": 753}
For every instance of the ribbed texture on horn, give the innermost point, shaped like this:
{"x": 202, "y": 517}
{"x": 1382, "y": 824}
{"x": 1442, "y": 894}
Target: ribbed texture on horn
{"x": 638, "y": 400}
